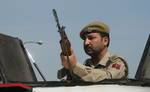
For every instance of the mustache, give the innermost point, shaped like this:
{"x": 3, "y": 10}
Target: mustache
{"x": 87, "y": 47}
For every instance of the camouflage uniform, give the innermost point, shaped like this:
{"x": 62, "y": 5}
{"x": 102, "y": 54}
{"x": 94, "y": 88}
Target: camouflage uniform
{"x": 109, "y": 67}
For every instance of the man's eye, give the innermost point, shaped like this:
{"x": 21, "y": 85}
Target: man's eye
{"x": 91, "y": 37}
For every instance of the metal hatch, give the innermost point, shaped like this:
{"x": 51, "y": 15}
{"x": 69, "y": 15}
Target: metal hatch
{"x": 143, "y": 72}
{"x": 14, "y": 62}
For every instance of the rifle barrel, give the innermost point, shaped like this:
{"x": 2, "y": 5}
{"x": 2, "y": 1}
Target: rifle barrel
{"x": 56, "y": 19}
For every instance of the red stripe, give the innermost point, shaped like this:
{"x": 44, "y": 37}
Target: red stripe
{"x": 15, "y": 85}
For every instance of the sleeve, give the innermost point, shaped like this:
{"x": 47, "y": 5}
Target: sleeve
{"x": 118, "y": 69}
{"x": 115, "y": 70}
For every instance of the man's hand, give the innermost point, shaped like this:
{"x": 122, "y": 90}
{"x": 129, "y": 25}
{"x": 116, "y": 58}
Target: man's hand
{"x": 72, "y": 60}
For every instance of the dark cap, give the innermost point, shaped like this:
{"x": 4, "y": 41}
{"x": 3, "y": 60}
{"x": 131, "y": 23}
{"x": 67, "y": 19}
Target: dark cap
{"x": 95, "y": 26}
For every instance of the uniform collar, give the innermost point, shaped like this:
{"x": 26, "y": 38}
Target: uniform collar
{"x": 104, "y": 60}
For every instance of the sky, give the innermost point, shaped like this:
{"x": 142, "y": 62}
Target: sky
{"x": 32, "y": 20}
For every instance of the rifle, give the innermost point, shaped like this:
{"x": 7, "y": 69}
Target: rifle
{"x": 64, "y": 42}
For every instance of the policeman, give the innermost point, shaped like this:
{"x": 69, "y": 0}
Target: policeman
{"x": 102, "y": 64}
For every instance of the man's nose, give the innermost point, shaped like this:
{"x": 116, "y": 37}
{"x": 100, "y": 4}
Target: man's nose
{"x": 86, "y": 41}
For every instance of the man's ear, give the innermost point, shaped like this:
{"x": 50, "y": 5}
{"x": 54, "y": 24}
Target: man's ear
{"x": 105, "y": 40}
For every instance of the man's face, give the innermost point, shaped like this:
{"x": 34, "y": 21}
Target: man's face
{"x": 94, "y": 43}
